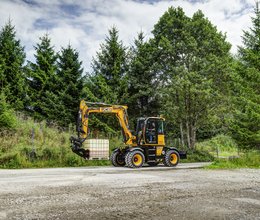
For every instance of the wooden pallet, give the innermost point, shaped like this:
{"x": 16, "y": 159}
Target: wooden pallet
{"x": 99, "y": 158}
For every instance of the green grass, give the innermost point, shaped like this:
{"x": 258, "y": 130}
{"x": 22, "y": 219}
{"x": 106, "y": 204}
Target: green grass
{"x": 219, "y": 146}
{"x": 34, "y": 144}
{"x": 247, "y": 160}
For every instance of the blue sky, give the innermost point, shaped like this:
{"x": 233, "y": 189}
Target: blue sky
{"x": 85, "y": 23}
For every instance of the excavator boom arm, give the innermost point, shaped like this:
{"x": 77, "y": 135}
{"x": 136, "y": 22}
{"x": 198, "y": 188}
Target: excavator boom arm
{"x": 119, "y": 110}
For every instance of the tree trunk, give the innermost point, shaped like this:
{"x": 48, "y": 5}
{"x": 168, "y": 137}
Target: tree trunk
{"x": 182, "y": 137}
{"x": 193, "y": 136}
{"x": 188, "y": 133}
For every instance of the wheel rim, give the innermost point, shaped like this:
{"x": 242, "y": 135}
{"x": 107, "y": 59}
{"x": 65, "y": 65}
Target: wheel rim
{"x": 174, "y": 158}
{"x": 137, "y": 159}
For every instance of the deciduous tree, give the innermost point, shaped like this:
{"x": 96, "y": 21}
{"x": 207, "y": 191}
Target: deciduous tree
{"x": 193, "y": 61}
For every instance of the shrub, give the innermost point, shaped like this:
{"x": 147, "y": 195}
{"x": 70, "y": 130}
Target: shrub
{"x": 10, "y": 160}
{"x": 8, "y": 119}
{"x": 198, "y": 156}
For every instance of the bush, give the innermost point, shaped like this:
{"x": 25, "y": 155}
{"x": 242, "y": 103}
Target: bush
{"x": 8, "y": 119}
{"x": 10, "y": 160}
{"x": 223, "y": 144}
{"x": 198, "y": 156}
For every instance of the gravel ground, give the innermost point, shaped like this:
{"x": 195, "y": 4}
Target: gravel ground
{"x": 123, "y": 193}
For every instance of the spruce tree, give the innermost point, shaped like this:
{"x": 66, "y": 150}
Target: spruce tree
{"x": 62, "y": 102}
{"x": 108, "y": 80}
{"x": 12, "y": 58}
{"x": 110, "y": 64}
{"x": 246, "y": 122}
{"x": 142, "y": 80}
{"x": 41, "y": 76}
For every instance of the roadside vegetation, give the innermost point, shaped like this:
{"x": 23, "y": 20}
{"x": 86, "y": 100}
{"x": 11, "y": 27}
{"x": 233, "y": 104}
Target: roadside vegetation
{"x": 36, "y": 145}
{"x": 246, "y": 160}
{"x": 33, "y": 144}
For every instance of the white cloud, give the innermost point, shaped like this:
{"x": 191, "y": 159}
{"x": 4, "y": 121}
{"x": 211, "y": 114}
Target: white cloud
{"x": 84, "y": 24}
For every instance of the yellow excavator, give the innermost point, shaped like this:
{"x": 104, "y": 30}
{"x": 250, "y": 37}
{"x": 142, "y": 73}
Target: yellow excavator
{"x": 145, "y": 145}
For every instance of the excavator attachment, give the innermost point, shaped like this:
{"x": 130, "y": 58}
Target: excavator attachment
{"x": 76, "y": 147}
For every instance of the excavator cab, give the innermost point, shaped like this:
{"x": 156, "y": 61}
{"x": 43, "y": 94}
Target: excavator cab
{"x": 150, "y": 131}
{"x": 154, "y": 131}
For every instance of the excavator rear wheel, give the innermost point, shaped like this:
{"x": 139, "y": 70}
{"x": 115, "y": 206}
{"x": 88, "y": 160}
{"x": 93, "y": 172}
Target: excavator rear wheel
{"x": 117, "y": 159}
{"x": 134, "y": 159}
{"x": 171, "y": 158}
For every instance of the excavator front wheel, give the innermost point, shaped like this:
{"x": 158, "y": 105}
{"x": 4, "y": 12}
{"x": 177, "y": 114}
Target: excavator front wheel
{"x": 134, "y": 159}
{"x": 171, "y": 158}
{"x": 117, "y": 158}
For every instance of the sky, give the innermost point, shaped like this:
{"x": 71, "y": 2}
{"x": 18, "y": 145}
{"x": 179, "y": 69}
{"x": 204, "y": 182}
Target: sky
{"x": 84, "y": 23}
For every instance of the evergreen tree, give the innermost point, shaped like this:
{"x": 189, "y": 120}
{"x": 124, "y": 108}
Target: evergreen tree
{"x": 246, "y": 124}
{"x": 108, "y": 80}
{"x": 2, "y": 76}
{"x": 193, "y": 61}
{"x": 143, "y": 83}
{"x": 12, "y": 58}
{"x": 41, "y": 75}
{"x": 62, "y": 103}
{"x": 110, "y": 67}
{"x": 92, "y": 84}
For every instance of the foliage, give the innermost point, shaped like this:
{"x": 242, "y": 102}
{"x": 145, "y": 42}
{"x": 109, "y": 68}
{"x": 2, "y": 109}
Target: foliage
{"x": 248, "y": 160}
{"x": 221, "y": 143}
{"x": 108, "y": 80}
{"x": 7, "y": 116}
{"x": 61, "y": 102}
{"x": 35, "y": 144}
{"x": 110, "y": 66}
{"x": 12, "y": 57}
{"x": 143, "y": 84}
{"x": 193, "y": 61}
{"x": 41, "y": 76}
{"x": 245, "y": 126}
{"x": 198, "y": 156}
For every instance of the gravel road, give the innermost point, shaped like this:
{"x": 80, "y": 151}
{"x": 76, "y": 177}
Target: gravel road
{"x": 161, "y": 193}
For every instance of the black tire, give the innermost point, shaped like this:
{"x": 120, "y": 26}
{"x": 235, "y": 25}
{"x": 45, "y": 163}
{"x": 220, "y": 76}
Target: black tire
{"x": 134, "y": 159}
{"x": 117, "y": 159}
{"x": 153, "y": 164}
{"x": 171, "y": 158}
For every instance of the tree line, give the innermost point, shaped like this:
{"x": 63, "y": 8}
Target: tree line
{"x": 184, "y": 72}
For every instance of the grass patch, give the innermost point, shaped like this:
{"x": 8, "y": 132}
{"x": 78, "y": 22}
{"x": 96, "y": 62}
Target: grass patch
{"x": 35, "y": 145}
{"x": 219, "y": 146}
{"x": 247, "y": 160}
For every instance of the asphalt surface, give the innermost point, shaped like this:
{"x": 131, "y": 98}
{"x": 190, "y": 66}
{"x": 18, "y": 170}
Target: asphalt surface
{"x": 184, "y": 192}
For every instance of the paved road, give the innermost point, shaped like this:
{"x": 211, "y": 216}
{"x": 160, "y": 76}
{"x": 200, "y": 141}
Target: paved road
{"x": 123, "y": 193}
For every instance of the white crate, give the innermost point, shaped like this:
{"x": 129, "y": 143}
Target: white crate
{"x": 98, "y": 148}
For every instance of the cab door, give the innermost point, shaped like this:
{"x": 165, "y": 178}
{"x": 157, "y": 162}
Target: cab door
{"x": 154, "y": 131}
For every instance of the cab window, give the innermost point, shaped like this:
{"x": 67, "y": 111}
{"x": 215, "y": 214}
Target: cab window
{"x": 160, "y": 127}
